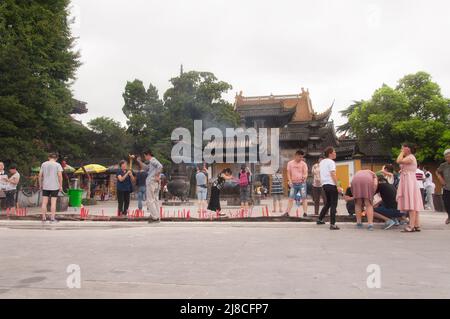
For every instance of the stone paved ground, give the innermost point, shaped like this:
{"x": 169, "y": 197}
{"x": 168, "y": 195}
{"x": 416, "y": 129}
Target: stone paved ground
{"x": 222, "y": 260}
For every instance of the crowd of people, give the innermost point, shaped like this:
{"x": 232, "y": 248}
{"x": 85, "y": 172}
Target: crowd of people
{"x": 393, "y": 197}
{"x": 399, "y": 196}
{"x": 50, "y": 182}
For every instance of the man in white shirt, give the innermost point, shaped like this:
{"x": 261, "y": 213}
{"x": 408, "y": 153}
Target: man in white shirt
{"x": 11, "y": 187}
{"x": 429, "y": 189}
{"x": 3, "y": 177}
{"x": 50, "y": 182}
{"x": 329, "y": 182}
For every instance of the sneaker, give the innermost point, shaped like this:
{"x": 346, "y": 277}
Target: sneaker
{"x": 396, "y": 222}
{"x": 334, "y": 227}
{"x": 370, "y": 228}
{"x": 305, "y": 215}
{"x": 390, "y": 223}
{"x": 54, "y": 221}
{"x": 285, "y": 215}
{"x": 359, "y": 226}
{"x": 320, "y": 222}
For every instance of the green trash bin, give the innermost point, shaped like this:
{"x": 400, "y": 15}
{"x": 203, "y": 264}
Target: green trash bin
{"x": 75, "y": 197}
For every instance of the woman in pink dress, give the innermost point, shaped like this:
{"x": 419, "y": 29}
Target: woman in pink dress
{"x": 409, "y": 197}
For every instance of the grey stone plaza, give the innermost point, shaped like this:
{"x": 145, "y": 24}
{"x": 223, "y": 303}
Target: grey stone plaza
{"x": 222, "y": 260}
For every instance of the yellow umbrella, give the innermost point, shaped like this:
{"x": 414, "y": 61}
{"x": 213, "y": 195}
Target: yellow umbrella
{"x": 92, "y": 169}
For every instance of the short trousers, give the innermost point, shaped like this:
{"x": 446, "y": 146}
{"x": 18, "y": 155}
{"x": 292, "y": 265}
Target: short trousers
{"x": 244, "y": 193}
{"x": 298, "y": 187}
{"x": 10, "y": 198}
{"x": 202, "y": 193}
{"x": 47, "y": 193}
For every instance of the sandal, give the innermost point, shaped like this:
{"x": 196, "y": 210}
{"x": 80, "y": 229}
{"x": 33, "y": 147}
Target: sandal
{"x": 408, "y": 230}
{"x": 417, "y": 229}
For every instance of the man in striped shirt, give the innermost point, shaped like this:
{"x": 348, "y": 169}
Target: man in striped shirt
{"x": 420, "y": 176}
{"x": 277, "y": 191}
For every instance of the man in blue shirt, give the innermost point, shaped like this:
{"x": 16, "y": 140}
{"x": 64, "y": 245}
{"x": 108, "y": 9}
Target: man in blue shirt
{"x": 141, "y": 185}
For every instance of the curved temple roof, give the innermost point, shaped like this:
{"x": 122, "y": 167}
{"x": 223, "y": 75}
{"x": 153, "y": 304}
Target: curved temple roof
{"x": 324, "y": 115}
{"x": 299, "y": 105}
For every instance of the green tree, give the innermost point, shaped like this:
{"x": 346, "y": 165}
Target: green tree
{"x": 144, "y": 111}
{"x": 198, "y": 96}
{"x": 192, "y": 96}
{"x": 424, "y": 96}
{"x": 37, "y": 63}
{"x": 109, "y": 139}
{"x": 414, "y": 111}
{"x": 346, "y": 127}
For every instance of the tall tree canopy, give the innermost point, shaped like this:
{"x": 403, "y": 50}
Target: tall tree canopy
{"x": 198, "y": 96}
{"x": 109, "y": 139}
{"x": 145, "y": 113}
{"x": 37, "y": 64}
{"x": 414, "y": 111}
{"x": 192, "y": 96}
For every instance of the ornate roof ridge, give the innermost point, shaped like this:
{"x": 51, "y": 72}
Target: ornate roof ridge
{"x": 266, "y": 99}
{"x": 324, "y": 115}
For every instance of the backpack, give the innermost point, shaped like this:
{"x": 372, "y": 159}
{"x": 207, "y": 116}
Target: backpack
{"x": 243, "y": 179}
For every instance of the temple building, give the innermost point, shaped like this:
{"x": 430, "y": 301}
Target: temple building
{"x": 300, "y": 126}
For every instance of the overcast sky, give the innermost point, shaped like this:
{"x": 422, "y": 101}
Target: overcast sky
{"x": 340, "y": 49}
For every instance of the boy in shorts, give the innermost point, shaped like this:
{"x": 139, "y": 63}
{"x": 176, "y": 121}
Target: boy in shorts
{"x": 50, "y": 182}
